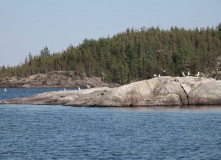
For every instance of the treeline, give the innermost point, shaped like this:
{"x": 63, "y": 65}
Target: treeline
{"x": 130, "y": 56}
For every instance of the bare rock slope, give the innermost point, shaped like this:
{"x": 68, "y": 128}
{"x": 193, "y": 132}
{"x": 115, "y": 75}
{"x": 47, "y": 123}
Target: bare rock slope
{"x": 152, "y": 92}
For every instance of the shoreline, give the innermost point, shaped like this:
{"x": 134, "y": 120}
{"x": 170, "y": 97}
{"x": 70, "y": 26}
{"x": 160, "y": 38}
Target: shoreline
{"x": 57, "y": 80}
{"x": 163, "y": 91}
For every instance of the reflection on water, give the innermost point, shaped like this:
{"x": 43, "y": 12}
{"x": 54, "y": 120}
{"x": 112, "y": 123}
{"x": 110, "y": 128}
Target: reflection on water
{"x": 172, "y": 108}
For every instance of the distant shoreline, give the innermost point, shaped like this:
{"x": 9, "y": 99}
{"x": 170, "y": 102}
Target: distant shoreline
{"x": 52, "y": 81}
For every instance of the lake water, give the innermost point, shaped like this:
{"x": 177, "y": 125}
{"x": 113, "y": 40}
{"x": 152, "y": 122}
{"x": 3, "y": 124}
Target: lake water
{"x": 62, "y": 132}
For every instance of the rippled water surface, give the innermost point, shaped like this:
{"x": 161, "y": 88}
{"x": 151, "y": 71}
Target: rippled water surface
{"x": 61, "y": 132}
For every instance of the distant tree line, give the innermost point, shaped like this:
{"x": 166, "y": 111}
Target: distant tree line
{"x": 130, "y": 56}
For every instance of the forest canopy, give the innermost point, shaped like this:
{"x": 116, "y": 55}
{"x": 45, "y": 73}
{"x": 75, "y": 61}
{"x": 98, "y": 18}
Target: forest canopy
{"x": 131, "y": 55}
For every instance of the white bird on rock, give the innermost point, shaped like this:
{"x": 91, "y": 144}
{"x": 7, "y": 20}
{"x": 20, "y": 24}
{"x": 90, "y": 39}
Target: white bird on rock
{"x": 197, "y": 75}
{"x": 79, "y": 88}
{"x": 183, "y": 74}
{"x": 188, "y": 74}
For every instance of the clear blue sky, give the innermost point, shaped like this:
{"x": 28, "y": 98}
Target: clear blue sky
{"x": 27, "y": 26}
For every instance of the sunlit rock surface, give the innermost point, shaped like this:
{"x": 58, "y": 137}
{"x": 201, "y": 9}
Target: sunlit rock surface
{"x": 153, "y": 92}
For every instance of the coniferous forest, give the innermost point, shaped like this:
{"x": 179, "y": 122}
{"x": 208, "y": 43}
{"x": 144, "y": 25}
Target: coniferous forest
{"x": 131, "y": 56}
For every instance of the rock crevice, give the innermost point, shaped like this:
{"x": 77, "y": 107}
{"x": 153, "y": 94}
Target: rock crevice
{"x": 186, "y": 90}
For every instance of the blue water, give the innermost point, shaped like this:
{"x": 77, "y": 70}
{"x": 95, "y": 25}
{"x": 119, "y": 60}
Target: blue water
{"x": 25, "y": 92}
{"x": 62, "y": 132}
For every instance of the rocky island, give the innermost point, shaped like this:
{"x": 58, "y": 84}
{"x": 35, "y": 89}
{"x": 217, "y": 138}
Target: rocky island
{"x": 159, "y": 91}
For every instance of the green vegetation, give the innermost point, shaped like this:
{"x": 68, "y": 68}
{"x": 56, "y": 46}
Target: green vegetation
{"x": 130, "y": 56}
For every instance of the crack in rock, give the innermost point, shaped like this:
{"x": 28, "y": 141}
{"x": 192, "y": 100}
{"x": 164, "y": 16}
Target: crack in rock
{"x": 186, "y": 90}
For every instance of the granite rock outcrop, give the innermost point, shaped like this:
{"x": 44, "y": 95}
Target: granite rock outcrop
{"x": 159, "y": 91}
